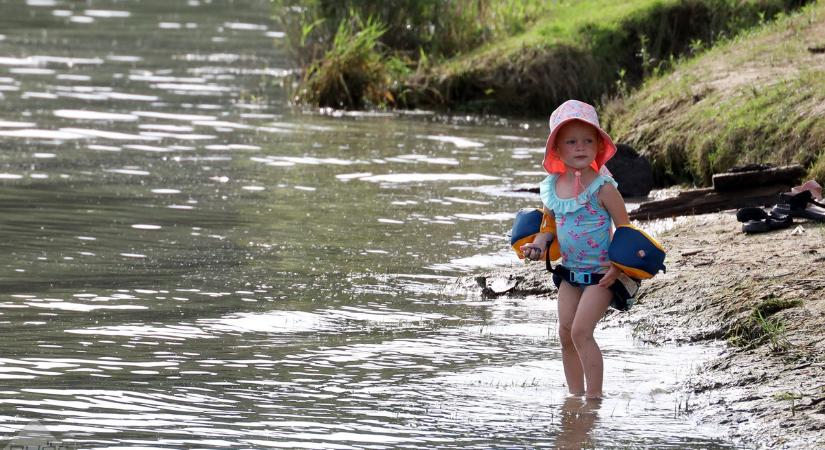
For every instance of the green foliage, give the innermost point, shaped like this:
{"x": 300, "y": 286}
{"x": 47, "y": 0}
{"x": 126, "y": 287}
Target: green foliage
{"x": 523, "y": 56}
{"x": 416, "y": 34}
{"x": 648, "y": 39}
{"x": 755, "y": 99}
{"x": 592, "y": 49}
{"x": 305, "y": 40}
{"x": 818, "y": 169}
{"x": 352, "y": 72}
{"x": 790, "y": 397}
{"x": 442, "y": 28}
{"x": 757, "y": 330}
{"x": 761, "y": 326}
{"x": 695, "y": 46}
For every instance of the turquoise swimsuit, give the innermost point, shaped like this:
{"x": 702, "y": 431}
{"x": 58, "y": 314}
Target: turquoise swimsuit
{"x": 582, "y": 225}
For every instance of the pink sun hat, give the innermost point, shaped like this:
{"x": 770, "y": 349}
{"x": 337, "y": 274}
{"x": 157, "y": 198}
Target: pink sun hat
{"x": 568, "y": 111}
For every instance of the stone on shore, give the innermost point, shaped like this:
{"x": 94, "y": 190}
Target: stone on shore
{"x": 632, "y": 171}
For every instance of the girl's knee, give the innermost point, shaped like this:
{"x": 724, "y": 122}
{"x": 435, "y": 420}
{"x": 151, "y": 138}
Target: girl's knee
{"x": 581, "y": 335}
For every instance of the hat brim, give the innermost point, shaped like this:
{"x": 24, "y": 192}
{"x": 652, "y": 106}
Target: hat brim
{"x": 553, "y": 164}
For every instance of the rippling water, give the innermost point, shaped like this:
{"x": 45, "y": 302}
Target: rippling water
{"x": 189, "y": 262}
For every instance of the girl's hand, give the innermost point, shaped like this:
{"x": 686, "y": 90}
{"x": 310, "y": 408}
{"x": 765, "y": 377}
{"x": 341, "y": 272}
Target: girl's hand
{"x": 610, "y": 277}
{"x": 532, "y": 251}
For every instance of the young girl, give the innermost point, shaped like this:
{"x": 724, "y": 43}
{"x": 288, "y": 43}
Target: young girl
{"x": 583, "y": 200}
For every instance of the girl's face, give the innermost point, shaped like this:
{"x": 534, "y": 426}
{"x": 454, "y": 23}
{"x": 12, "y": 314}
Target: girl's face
{"x": 577, "y": 144}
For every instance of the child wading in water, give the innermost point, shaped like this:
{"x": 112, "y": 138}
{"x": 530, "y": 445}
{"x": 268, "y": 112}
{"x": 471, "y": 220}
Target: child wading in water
{"x": 583, "y": 200}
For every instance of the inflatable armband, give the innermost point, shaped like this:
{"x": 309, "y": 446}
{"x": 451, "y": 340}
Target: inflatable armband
{"x": 528, "y": 223}
{"x": 636, "y": 253}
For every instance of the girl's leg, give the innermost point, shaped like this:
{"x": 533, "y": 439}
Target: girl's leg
{"x": 568, "y": 303}
{"x": 594, "y": 302}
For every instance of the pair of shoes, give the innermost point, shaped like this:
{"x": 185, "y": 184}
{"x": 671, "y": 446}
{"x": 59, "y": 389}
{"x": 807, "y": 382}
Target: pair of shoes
{"x": 756, "y": 220}
{"x": 800, "y": 204}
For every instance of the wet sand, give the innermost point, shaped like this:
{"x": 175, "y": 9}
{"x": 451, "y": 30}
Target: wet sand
{"x": 763, "y": 295}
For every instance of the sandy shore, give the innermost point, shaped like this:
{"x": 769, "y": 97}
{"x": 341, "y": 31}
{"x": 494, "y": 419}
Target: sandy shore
{"x": 763, "y": 294}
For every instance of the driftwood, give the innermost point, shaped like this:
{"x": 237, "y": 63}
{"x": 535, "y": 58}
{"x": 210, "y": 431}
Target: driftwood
{"x": 737, "y": 180}
{"x": 755, "y": 185}
{"x": 702, "y": 201}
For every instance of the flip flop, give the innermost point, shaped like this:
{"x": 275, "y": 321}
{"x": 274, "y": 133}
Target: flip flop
{"x": 769, "y": 223}
{"x": 750, "y": 214}
{"x": 801, "y": 204}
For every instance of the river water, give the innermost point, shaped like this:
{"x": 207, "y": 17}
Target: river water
{"x": 189, "y": 262}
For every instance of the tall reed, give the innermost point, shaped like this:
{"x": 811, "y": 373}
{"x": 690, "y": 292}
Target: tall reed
{"x": 352, "y": 73}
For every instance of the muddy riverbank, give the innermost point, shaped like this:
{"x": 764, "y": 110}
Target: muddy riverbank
{"x": 763, "y": 294}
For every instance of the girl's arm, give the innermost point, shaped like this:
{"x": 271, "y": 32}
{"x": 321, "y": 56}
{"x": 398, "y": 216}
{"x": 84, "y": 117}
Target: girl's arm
{"x": 613, "y": 202}
{"x": 534, "y": 250}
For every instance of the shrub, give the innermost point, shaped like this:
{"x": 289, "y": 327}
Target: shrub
{"x": 352, "y": 72}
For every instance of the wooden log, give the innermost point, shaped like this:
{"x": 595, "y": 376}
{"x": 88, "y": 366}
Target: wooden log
{"x": 758, "y": 176}
{"x": 749, "y": 186}
{"x": 703, "y": 201}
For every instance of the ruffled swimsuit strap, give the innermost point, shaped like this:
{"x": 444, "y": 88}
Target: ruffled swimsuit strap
{"x": 547, "y": 190}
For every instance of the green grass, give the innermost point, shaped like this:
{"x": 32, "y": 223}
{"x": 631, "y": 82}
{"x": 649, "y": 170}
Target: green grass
{"x": 757, "y": 98}
{"x": 522, "y": 57}
{"x": 789, "y": 396}
{"x": 587, "y": 49}
{"x": 580, "y": 23}
{"x": 436, "y": 28}
{"x": 561, "y": 24}
{"x": 761, "y": 326}
{"x": 352, "y": 51}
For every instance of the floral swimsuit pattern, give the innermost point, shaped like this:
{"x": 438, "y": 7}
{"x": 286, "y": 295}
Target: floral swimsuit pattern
{"x": 582, "y": 225}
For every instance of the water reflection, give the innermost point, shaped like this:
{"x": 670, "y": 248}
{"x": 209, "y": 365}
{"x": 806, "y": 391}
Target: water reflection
{"x": 578, "y": 417}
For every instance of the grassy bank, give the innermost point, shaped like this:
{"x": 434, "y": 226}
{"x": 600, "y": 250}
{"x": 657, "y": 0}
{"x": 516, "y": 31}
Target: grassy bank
{"x": 518, "y": 57}
{"x": 586, "y": 49}
{"x": 759, "y": 98}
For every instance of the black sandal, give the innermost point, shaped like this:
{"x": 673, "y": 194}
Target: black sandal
{"x": 801, "y": 204}
{"x": 771, "y": 222}
{"x": 750, "y": 214}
